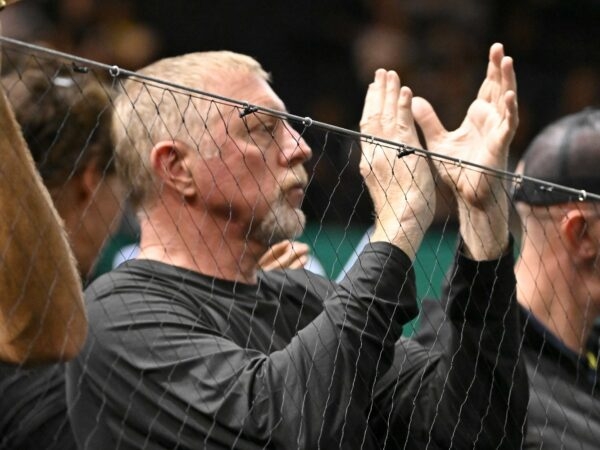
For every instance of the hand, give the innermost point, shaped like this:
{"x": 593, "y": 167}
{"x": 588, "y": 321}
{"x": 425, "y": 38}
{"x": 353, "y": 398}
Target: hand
{"x": 483, "y": 138}
{"x": 484, "y": 135}
{"x": 285, "y": 255}
{"x": 402, "y": 189}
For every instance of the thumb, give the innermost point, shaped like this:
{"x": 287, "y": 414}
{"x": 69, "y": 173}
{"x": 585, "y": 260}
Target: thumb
{"x": 427, "y": 120}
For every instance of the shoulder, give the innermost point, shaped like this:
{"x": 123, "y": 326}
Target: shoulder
{"x": 297, "y": 282}
{"x": 142, "y": 295}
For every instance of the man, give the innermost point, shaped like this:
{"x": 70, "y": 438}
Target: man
{"x": 65, "y": 120}
{"x": 191, "y": 344}
{"x": 558, "y": 282}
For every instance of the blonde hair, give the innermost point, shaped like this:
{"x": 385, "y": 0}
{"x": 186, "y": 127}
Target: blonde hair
{"x": 147, "y": 113}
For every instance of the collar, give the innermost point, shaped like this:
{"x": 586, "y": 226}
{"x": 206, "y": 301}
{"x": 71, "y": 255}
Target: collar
{"x": 546, "y": 343}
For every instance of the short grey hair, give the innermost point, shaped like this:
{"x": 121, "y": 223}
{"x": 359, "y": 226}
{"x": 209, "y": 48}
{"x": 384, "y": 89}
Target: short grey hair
{"x": 146, "y": 113}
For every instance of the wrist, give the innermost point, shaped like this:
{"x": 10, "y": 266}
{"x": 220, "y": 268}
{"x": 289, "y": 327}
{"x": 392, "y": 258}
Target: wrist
{"x": 405, "y": 234}
{"x": 485, "y": 233}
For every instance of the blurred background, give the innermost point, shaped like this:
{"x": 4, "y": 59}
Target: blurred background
{"x": 323, "y": 53}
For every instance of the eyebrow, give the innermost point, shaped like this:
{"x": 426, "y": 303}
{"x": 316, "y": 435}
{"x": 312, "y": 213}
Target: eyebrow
{"x": 270, "y": 107}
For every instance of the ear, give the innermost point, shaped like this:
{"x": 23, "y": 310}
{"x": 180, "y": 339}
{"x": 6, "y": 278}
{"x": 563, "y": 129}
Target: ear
{"x": 172, "y": 161}
{"x": 577, "y": 236}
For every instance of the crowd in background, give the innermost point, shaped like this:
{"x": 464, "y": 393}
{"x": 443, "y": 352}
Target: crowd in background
{"x": 324, "y": 53}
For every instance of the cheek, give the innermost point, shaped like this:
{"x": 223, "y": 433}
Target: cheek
{"x": 243, "y": 179}
{"x": 108, "y": 205}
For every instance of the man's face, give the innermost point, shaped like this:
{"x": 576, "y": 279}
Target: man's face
{"x": 256, "y": 181}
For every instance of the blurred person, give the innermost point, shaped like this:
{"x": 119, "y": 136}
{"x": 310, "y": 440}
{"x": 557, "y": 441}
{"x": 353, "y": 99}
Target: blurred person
{"x": 109, "y": 31}
{"x": 193, "y": 345}
{"x": 64, "y": 119}
{"x": 42, "y": 318}
{"x": 558, "y": 283}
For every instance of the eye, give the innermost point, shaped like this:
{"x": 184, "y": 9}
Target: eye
{"x": 271, "y": 128}
{"x": 261, "y": 126}
{"x": 265, "y": 128}
{"x": 267, "y": 124}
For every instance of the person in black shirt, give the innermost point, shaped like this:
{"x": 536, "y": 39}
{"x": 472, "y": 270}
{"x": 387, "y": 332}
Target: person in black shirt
{"x": 558, "y": 280}
{"x": 191, "y": 345}
{"x": 558, "y": 285}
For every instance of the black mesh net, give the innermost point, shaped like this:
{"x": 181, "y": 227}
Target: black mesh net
{"x": 340, "y": 340}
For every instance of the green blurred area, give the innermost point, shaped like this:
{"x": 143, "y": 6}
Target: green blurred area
{"x": 334, "y": 245}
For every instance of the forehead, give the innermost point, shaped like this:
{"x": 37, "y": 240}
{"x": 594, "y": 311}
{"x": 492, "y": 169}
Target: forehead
{"x": 251, "y": 88}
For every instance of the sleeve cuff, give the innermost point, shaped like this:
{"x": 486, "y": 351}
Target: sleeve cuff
{"x": 488, "y": 287}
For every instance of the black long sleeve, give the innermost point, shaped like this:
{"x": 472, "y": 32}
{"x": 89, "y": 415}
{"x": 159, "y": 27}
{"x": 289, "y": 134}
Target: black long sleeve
{"x": 466, "y": 385}
{"x": 176, "y": 359}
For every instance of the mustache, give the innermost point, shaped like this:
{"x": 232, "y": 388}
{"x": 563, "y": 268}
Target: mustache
{"x": 295, "y": 177}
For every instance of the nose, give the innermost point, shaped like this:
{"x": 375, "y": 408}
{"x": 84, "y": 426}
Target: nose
{"x": 295, "y": 150}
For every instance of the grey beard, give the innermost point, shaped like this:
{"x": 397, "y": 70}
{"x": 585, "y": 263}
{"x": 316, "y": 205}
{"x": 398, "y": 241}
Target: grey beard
{"x": 280, "y": 224}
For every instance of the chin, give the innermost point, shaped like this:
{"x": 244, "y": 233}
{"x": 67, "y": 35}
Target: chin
{"x": 281, "y": 225}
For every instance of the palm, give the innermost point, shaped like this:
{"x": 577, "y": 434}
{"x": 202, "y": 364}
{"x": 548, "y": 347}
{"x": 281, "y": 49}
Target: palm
{"x": 482, "y": 138}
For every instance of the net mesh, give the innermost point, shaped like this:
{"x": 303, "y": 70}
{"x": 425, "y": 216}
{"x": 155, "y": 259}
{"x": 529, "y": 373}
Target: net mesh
{"x": 175, "y": 359}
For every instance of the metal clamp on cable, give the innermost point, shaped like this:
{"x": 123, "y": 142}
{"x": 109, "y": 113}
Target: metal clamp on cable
{"x": 404, "y": 150}
{"x": 248, "y": 109}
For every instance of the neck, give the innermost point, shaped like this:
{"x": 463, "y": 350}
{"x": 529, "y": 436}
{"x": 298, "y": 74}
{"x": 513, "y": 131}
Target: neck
{"x": 556, "y": 296}
{"x": 216, "y": 249}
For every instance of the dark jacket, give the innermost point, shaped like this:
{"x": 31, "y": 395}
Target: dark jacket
{"x": 564, "y": 402}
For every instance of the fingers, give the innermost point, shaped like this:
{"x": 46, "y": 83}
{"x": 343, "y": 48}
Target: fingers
{"x": 374, "y": 98}
{"x": 297, "y": 256}
{"x": 392, "y": 93}
{"x": 268, "y": 261}
{"x": 509, "y": 78}
{"x": 404, "y": 110}
{"x": 495, "y": 58}
{"x": 285, "y": 255}
{"x": 428, "y": 121}
{"x": 382, "y": 102}
{"x": 511, "y": 117}
{"x": 500, "y": 80}
{"x": 508, "y": 106}
{"x": 490, "y": 86}
{"x": 512, "y": 109}
{"x": 498, "y": 77}
{"x": 387, "y": 113}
